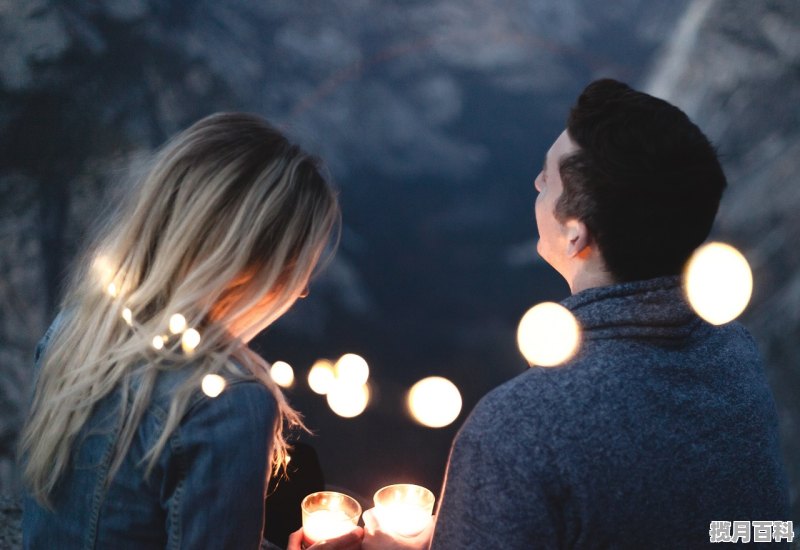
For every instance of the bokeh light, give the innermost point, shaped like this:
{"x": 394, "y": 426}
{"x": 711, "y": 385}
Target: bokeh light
{"x": 548, "y": 335}
{"x": 104, "y": 271}
{"x": 348, "y": 400}
{"x": 282, "y": 373}
{"x": 434, "y": 402}
{"x": 321, "y": 376}
{"x": 127, "y": 314}
{"x": 158, "y": 342}
{"x": 718, "y": 282}
{"x": 352, "y": 369}
{"x": 212, "y": 385}
{"x": 190, "y": 340}
{"x": 177, "y": 323}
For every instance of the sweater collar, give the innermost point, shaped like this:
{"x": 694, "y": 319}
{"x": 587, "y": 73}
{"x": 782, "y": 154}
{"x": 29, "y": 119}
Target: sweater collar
{"x": 653, "y": 308}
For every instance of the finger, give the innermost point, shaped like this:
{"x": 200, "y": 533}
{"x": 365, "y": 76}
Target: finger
{"x": 295, "y": 540}
{"x": 350, "y": 541}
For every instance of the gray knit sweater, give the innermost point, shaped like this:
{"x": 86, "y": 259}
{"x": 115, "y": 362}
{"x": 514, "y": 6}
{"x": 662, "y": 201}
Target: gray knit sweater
{"x": 661, "y": 424}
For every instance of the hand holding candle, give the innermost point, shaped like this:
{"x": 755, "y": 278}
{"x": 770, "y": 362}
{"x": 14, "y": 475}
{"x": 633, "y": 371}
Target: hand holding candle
{"x": 377, "y": 539}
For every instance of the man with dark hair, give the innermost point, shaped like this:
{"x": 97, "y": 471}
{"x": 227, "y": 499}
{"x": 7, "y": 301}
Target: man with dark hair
{"x": 662, "y": 423}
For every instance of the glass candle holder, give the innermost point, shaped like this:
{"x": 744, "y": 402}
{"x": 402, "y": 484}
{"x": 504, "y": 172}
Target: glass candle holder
{"x": 404, "y": 509}
{"x": 328, "y": 515}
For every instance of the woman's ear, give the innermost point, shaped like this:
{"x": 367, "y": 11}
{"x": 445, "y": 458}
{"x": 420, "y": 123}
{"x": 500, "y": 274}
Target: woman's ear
{"x": 578, "y": 238}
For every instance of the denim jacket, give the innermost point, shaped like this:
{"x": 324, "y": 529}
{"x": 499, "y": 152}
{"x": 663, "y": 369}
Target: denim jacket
{"x": 206, "y": 491}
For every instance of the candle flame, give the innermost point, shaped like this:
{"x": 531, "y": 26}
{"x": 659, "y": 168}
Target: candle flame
{"x": 328, "y": 515}
{"x": 404, "y": 508}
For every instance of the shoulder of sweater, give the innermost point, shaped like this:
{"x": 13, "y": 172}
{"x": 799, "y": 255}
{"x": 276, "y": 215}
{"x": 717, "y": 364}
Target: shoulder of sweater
{"x": 549, "y": 392}
{"x": 536, "y": 393}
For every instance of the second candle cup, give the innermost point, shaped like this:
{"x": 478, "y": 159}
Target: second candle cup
{"x": 404, "y": 509}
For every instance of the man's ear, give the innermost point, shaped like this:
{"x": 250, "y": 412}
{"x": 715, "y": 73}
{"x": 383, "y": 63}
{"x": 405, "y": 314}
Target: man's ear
{"x": 578, "y": 238}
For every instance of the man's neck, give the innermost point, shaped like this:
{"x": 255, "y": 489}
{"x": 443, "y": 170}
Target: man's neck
{"x": 584, "y": 279}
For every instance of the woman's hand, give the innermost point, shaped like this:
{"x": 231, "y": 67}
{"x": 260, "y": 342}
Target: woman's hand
{"x": 350, "y": 541}
{"x": 376, "y": 539}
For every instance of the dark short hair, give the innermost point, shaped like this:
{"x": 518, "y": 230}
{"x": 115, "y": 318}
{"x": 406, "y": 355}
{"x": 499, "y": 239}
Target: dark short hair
{"x": 645, "y": 180}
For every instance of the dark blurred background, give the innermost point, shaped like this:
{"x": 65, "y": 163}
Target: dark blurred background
{"x": 433, "y": 117}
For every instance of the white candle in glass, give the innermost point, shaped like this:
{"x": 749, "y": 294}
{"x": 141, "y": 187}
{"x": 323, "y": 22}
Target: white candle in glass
{"x": 327, "y": 524}
{"x": 328, "y": 515}
{"x": 404, "y": 509}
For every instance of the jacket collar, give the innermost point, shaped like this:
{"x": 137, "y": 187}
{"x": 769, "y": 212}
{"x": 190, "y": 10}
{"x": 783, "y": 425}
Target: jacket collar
{"x": 649, "y": 309}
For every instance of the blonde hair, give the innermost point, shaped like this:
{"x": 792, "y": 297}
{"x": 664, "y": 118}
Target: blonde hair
{"x": 225, "y": 229}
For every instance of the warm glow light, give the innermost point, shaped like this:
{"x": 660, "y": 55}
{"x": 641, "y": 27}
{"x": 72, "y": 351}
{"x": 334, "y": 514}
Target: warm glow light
{"x": 158, "y": 342}
{"x": 327, "y": 524}
{"x": 347, "y": 400}
{"x": 321, "y": 377}
{"x": 434, "y": 402}
{"x": 548, "y": 335}
{"x": 212, "y": 385}
{"x": 106, "y": 274}
{"x": 190, "y": 340}
{"x": 328, "y": 515}
{"x": 177, "y": 323}
{"x": 404, "y": 509}
{"x": 352, "y": 369}
{"x": 102, "y": 266}
{"x": 718, "y": 282}
{"x": 127, "y": 315}
{"x": 103, "y": 270}
{"x": 283, "y": 373}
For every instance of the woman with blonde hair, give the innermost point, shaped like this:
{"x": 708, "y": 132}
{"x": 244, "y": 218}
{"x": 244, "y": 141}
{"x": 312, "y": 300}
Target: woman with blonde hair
{"x": 152, "y": 424}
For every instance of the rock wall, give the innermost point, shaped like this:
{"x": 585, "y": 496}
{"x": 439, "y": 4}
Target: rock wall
{"x": 733, "y": 66}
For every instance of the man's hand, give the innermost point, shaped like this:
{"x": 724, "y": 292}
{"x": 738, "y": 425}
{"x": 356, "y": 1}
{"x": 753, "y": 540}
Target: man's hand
{"x": 376, "y": 539}
{"x": 350, "y": 541}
